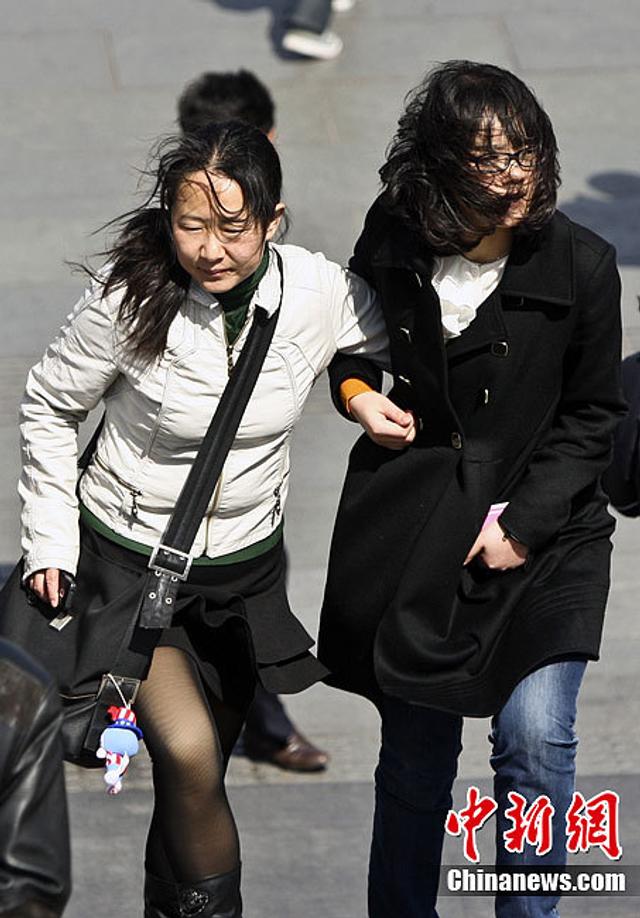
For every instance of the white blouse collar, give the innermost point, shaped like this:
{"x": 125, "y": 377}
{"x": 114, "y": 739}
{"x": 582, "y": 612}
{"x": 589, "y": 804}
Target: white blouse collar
{"x": 462, "y": 286}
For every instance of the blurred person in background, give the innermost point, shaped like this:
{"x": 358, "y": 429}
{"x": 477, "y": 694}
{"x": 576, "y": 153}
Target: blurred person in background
{"x": 35, "y": 872}
{"x": 307, "y": 29}
{"x": 269, "y": 734}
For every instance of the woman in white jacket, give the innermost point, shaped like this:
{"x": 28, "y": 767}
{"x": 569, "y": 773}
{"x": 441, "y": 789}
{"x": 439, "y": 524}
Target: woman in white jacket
{"x": 155, "y": 337}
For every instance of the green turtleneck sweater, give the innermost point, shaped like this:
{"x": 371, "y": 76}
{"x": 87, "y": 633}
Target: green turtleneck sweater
{"x": 235, "y": 302}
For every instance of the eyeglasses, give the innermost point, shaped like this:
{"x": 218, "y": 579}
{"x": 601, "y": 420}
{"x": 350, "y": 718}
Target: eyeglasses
{"x": 494, "y": 163}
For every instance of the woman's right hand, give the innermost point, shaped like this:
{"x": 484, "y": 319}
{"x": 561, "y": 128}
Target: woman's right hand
{"x": 47, "y": 585}
{"x": 384, "y": 422}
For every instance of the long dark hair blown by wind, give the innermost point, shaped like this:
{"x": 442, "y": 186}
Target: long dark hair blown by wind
{"x": 141, "y": 262}
{"x": 430, "y": 183}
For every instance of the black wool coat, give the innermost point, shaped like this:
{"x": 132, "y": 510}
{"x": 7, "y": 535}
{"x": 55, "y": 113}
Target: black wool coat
{"x": 520, "y": 408}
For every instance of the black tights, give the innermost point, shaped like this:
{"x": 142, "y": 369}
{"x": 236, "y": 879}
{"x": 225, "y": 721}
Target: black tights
{"x": 189, "y": 737}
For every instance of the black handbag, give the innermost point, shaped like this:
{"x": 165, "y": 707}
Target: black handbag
{"x": 99, "y": 650}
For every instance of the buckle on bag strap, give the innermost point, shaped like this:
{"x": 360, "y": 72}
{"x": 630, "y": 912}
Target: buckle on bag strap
{"x": 167, "y": 566}
{"x": 170, "y": 561}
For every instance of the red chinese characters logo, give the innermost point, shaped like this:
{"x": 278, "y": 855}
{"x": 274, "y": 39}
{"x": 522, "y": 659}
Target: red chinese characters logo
{"x": 470, "y": 820}
{"x": 532, "y": 827}
{"x": 594, "y": 823}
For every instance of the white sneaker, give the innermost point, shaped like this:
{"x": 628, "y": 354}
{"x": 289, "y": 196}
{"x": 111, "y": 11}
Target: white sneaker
{"x": 324, "y": 46}
{"x": 342, "y": 6}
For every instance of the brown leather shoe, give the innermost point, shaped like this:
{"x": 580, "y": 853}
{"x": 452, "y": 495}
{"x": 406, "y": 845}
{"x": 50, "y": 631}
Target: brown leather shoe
{"x": 298, "y": 754}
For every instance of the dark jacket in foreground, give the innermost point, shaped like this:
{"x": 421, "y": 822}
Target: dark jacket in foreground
{"x": 520, "y": 408}
{"x": 34, "y": 832}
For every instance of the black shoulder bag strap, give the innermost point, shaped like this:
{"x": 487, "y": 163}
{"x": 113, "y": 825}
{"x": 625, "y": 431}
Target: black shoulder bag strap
{"x": 171, "y": 559}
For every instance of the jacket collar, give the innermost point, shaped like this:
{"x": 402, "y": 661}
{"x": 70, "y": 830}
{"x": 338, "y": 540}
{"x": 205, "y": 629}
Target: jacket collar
{"x": 540, "y": 268}
{"x": 543, "y": 268}
{"x": 268, "y": 293}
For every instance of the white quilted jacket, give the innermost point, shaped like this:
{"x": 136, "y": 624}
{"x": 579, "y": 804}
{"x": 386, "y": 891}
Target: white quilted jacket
{"x": 157, "y": 413}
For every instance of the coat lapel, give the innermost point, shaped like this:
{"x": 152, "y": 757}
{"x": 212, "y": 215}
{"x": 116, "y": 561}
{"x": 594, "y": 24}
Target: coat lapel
{"x": 542, "y": 268}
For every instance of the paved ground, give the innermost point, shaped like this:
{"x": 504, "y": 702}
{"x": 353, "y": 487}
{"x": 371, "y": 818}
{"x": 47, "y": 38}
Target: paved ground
{"x": 84, "y": 88}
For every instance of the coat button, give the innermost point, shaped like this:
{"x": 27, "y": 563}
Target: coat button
{"x": 456, "y": 440}
{"x": 499, "y": 348}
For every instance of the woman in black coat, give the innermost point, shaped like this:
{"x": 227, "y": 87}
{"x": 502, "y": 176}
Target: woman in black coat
{"x": 504, "y": 323}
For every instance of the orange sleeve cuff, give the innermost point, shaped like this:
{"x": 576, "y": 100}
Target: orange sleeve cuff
{"x": 351, "y": 387}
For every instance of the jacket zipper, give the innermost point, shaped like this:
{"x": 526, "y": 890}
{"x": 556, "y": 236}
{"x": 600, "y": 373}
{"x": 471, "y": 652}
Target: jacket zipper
{"x": 277, "y": 508}
{"x": 216, "y": 495}
{"x": 156, "y": 423}
{"x": 229, "y": 351}
{"x": 230, "y": 347}
{"x": 134, "y": 492}
{"x": 218, "y": 490}
{"x": 277, "y": 491}
{"x": 210, "y": 513}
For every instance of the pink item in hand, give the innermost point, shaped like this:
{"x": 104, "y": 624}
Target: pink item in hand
{"x": 494, "y": 512}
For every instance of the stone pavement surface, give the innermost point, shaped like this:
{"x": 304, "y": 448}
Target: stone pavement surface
{"x": 85, "y": 87}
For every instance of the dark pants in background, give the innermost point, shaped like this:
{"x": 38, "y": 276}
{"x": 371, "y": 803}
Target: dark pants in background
{"x": 309, "y": 15}
{"x": 268, "y": 718}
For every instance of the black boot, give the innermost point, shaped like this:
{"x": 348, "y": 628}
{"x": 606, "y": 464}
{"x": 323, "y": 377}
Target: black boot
{"x": 160, "y": 898}
{"x": 213, "y": 897}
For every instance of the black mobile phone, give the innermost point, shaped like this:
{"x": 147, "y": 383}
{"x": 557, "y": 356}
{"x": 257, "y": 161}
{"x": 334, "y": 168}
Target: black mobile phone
{"x": 67, "y": 589}
{"x": 64, "y": 609}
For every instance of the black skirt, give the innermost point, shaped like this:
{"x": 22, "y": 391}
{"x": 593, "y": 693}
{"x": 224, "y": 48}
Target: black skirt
{"x": 233, "y": 620}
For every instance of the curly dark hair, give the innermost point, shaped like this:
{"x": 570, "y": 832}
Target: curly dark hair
{"x": 142, "y": 262}
{"x": 430, "y": 182}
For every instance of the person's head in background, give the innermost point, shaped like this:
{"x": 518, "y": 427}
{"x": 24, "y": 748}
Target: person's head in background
{"x": 227, "y": 97}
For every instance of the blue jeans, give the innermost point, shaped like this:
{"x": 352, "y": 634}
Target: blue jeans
{"x": 534, "y": 749}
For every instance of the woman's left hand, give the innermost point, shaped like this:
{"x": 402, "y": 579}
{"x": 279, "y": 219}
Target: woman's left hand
{"x": 386, "y": 423}
{"x": 496, "y": 550}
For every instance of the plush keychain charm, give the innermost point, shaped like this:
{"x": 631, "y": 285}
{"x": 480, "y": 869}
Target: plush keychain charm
{"x": 118, "y": 744}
